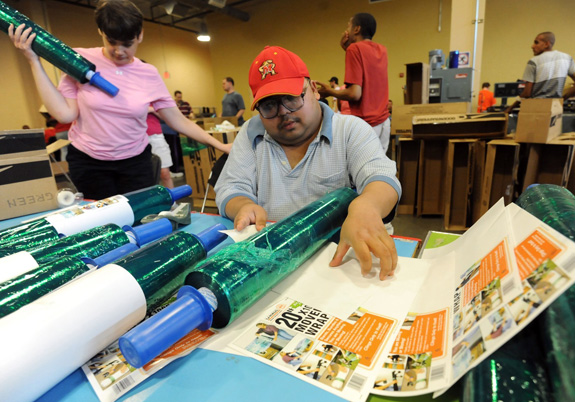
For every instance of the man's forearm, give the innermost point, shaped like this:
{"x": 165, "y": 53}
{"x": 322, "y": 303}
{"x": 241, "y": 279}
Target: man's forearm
{"x": 378, "y": 194}
{"x": 235, "y": 204}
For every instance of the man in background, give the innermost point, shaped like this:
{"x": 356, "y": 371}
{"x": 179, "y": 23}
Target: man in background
{"x": 485, "y": 100}
{"x": 366, "y": 80}
{"x": 547, "y": 71}
{"x": 184, "y": 106}
{"x": 232, "y": 103}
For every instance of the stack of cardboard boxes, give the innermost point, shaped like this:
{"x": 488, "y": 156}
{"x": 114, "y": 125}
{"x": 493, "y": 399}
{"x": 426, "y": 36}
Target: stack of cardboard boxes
{"x": 458, "y": 165}
{"x": 441, "y": 156}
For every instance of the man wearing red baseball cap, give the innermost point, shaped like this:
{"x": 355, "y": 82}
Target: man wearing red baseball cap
{"x": 296, "y": 151}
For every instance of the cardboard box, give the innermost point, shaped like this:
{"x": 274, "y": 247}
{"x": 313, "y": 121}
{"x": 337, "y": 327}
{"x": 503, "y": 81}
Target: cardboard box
{"x": 401, "y": 121}
{"x": 407, "y": 169}
{"x": 549, "y": 163}
{"x": 474, "y": 125}
{"x": 417, "y": 83}
{"x": 198, "y": 164}
{"x": 27, "y": 184}
{"x": 539, "y": 120}
{"x": 500, "y": 176}
{"x": 465, "y": 159}
{"x": 431, "y": 178}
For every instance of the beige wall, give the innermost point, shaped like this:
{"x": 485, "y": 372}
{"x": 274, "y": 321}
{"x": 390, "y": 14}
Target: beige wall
{"x": 311, "y": 28}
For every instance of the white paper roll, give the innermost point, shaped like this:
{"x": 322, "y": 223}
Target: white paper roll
{"x": 79, "y": 218}
{"x": 16, "y": 264}
{"x": 48, "y": 339}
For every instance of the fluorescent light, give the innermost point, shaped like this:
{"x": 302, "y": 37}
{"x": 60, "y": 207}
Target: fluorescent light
{"x": 204, "y": 38}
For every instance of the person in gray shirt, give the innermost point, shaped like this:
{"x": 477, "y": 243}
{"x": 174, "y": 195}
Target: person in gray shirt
{"x": 232, "y": 103}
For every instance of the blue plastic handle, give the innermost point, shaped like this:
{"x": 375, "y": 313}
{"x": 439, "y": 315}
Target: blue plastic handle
{"x": 212, "y": 236}
{"x": 150, "y": 231}
{"x": 146, "y": 341}
{"x": 180, "y": 192}
{"x": 100, "y": 82}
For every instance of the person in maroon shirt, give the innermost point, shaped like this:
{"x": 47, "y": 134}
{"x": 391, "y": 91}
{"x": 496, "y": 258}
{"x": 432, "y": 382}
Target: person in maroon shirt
{"x": 366, "y": 80}
{"x": 184, "y": 106}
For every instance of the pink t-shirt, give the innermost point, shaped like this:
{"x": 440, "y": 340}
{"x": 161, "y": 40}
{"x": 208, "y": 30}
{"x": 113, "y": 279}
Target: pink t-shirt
{"x": 366, "y": 66}
{"x": 114, "y": 128}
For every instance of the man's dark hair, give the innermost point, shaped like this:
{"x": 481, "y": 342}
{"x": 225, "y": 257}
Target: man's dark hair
{"x": 230, "y": 79}
{"x": 119, "y": 20}
{"x": 367, "y": 24}
{"x": 177, "y": 92}
{"x": 549, "y": 37}
{"x": 334, "y": 79}
{"x": 485, "y": 85}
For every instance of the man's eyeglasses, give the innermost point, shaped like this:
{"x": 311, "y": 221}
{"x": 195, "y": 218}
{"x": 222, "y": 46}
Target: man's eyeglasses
{"x": 269, "y": 107}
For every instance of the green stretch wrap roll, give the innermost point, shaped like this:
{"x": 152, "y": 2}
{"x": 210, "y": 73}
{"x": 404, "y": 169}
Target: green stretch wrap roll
{"x": 148, "y": 201}
{"x": 513, "y": 373}
{"x": 152, "y": 200}
{"x": 24, "y": 289}
{"x": 555, "y": 206}
{"x": 552, "y": 204}
{"x": 18, "y": 232}
{"x": 90, "y": 244}
{"x": 47, "y": 46}
{"x": 161, "y": 267}
{"x": 29, "y": 241}
{"x": 243, "y": 272}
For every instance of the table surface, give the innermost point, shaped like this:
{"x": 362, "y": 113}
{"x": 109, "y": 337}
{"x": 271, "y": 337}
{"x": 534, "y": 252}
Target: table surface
{"x": 208, "y": 375}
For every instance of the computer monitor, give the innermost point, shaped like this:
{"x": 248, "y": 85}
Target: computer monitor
{"x": 508, "y": 89}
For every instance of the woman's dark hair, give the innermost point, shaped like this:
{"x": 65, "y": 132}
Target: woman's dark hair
{"x": 367, "y": 23}
{"x": 119, "y": 20}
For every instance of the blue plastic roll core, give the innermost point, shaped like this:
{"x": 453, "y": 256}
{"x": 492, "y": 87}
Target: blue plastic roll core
{"x": 111, "y": 256}
{"x": 146, "y": 341}
{"x": 100, "y": 82}
{"x": 180, "y": 192}
{"x": 212, "y": 236}
{"x": 150, "y": 231}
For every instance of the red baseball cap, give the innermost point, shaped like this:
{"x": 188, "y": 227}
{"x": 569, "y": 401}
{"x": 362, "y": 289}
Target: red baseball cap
{"x": 276, "y": 71}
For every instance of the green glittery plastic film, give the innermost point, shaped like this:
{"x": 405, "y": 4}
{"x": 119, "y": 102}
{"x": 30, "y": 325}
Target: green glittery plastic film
{"x": 149, "y": 201}
{"x": 29, "y": 241}
{"x": 91, "y": 243}
{"x": 23, "y": 289}
{"x": 47, "y": 46}
{"x": 161, "y": 267}
{"x": 555, "y": 206}
{"x": 515, "y": 372}
{"x": 20, "y": 231}
{"x": 243, "y": 272}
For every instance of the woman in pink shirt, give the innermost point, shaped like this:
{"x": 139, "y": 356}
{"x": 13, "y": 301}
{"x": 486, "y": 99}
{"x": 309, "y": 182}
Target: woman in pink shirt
{"x": 110, "y": 153}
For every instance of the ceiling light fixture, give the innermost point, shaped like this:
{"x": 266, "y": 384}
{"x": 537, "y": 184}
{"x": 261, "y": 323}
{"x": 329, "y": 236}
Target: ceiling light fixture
{"x": 203, "y": 35}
